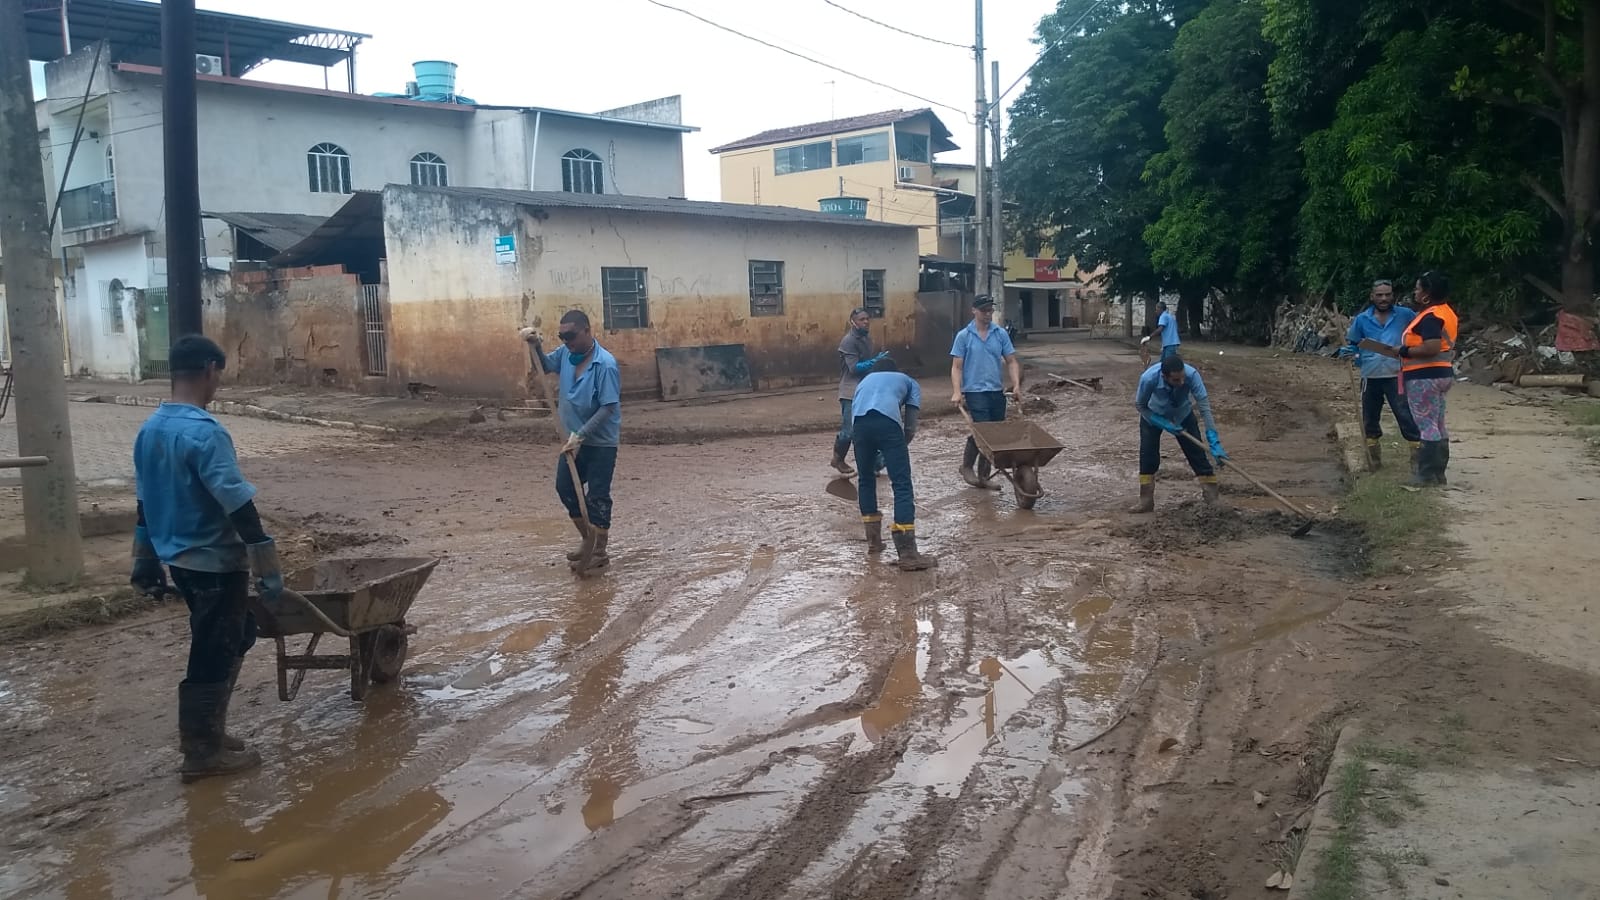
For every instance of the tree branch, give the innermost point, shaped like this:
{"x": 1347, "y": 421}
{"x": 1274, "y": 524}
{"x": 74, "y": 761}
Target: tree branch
{"x": 1548, "y": 113}
{"x": 1545, "y": 287}
{"x": 1544, "y": 194}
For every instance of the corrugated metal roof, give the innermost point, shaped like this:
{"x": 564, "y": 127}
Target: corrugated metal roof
{"x": 941, "y": 134}
{"x": 280, "y": 231}
{"x": 663, "y": 205}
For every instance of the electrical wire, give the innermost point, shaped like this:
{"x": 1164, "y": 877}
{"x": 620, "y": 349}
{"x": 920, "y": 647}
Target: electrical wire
{"x": 1053, "y": 45}
{"x": 923, "y": 37}
{"x": 798, "y": 55}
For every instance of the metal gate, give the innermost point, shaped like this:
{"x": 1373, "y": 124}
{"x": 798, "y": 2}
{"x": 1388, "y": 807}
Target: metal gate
{"x": 372, "y": 320}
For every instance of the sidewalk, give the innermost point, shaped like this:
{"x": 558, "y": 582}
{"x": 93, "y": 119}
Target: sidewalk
{"x": 1487, "y": 785}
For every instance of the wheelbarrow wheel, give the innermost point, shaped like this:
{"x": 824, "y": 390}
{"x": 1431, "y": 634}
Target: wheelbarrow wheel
{"x": 389, "y": 646}
{"x": 1027, "y": 486}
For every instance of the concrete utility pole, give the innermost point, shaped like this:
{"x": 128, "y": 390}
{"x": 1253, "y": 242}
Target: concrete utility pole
{"x": 181, "y": 148}
{"x": 49, "y": 492}
{"x": 997, "y": 225}
{"x": 981, "y": 282}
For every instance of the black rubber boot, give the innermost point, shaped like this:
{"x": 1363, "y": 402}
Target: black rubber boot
{"x": 874, "y": 529}
{"x": 229, "y": 742}
{"x": 969, "y": 459}
{"x": 1374, "y": 453}
{"x": 905, "y": 544}
{"x": 598, "y": 558}
{"x": 583, "y": 535}
{"x": 1430, "y": 466}
{"x": 1416, "y": 449}
{"x": 1147, "y": 497}
{"x": 1441, "y": 462}
{"x": 200, "y": 711}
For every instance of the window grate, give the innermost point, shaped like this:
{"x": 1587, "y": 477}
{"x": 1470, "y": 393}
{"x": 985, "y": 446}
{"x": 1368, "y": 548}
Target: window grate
{"x": 766, "y": 287}
{"x": 582, "y": 172}
{"x": 872, "y": 292}
{"x": 623, "y": 291}
{"x": 329, "y": 169}
{"x": 429, "y": 170}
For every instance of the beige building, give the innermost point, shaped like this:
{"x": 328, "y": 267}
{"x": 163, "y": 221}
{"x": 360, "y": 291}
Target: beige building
{"x": 877, "y": 166}
{"x": 692, "y": 297}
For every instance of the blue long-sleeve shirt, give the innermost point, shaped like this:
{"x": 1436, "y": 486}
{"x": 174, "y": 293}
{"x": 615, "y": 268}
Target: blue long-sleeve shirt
{"x": 1156, "y": 397}
{"x": 1366, "y": 325}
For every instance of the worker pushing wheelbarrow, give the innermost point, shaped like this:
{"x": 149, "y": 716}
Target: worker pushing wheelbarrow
{"x": 1017, "y": 449}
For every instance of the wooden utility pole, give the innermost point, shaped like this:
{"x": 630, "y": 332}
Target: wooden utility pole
{"x": 181, "y": 150}
{"x": 50, "y": 491}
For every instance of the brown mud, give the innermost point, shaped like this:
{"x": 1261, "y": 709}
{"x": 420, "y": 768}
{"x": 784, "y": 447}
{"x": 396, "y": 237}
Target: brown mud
{"x": 1077, "y": 702}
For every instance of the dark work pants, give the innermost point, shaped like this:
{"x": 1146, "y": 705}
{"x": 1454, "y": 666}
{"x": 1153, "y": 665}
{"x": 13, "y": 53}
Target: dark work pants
{"x": 982, "y": 406}
{"x": 1150, "y": 447}
{"x": 876, "y": 433}
{"x": 596, "y": 466}
{"x": 841, "y": 441}
{"x": 221, "y": 628}
{"x": 1375, "y": 392}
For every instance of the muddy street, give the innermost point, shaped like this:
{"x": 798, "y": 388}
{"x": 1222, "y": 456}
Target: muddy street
{"x": 743, "y": 705}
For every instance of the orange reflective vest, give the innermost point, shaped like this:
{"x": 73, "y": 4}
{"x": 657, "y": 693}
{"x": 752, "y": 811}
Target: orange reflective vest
{"x": 1447, "y": 349}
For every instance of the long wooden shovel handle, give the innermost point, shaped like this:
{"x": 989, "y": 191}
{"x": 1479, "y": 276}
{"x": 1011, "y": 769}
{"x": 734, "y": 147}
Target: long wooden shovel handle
{"x": 1292, "y": 507}
{"x": 555, "y": 419}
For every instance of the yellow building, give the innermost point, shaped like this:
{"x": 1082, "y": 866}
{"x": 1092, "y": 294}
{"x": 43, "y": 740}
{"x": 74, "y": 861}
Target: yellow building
{"x": 877, "y": 166}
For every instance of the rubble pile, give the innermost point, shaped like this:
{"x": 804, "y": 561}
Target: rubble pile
{"x": 1486, "y": 353}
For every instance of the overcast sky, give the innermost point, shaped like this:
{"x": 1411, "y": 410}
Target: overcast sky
{"x": 590, "y": 55}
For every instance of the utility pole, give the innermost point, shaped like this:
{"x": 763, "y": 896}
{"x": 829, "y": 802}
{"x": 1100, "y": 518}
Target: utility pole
{"x": 997, "y": 225}
{"x": 181, "y": 149}
{"x": 49, "y": 492}
{"x": 981, "y": 283}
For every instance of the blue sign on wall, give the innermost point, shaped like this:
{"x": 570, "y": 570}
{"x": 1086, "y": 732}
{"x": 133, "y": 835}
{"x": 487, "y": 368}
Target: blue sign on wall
{"x": 505, "y": 250}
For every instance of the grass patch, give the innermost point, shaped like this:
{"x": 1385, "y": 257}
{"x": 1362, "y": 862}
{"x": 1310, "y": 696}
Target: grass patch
{"x": 1339, "y": 868}
{"x": 1582, "y": 413}
{"x": 1373, "y": 785}
{"x": 1391, "y": 515}
{"x": 42, "y": 620}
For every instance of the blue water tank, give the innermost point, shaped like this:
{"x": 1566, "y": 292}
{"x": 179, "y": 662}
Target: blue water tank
{"x": 435, "y": 76}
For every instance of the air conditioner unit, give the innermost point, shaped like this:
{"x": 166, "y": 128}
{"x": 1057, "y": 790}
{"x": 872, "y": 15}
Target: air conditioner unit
{"x": 907, "y": 173}
{"x": 208, "y": 65}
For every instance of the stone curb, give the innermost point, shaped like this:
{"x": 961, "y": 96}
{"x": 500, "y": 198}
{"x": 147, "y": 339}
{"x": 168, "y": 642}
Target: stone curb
{"x": 251, "y": 411}
{"x": 1322, "y": 830}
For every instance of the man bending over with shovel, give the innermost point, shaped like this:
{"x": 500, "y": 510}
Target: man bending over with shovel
{"x": 886, "y": 406}
{"x": 591, "y": 414}
{"x": 197, "y": 514}
{"x": 1169, "y": 393}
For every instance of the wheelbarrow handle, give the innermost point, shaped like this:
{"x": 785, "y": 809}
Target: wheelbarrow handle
{"x": 317, "y": 613}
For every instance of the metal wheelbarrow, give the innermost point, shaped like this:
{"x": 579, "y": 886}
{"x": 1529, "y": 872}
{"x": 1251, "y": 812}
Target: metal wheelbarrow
{"x": 363, "y": 600}
{"x": 1016, "y": 448}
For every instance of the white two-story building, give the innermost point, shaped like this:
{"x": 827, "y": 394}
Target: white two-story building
{"x": 275, "y": 159}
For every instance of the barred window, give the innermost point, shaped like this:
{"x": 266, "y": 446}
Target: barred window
{"x": 429, "y": 170}
{"x": 329, "y": 168}
{"x": 625, "y": 300}
{"x": 872, "y": 292}
{"x": 766, "y": 287}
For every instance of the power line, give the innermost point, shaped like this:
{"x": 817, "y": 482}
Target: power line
{"x": 809, "y": 59}
{"x": 1053, "y": 45}
{"x": 894, "y": 28}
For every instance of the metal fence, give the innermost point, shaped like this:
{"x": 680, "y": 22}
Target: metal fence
{"x": 371, "y": 299}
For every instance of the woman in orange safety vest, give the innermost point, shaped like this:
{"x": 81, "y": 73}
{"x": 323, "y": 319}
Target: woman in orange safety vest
{"x": 1427, "y": 370}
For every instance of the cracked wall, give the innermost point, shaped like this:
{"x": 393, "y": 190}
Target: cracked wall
{"x": 456, "y": 310}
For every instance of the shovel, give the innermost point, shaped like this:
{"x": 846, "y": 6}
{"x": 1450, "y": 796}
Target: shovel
{"x": 1299, "y": 511}
{"x": 583, "y": 563}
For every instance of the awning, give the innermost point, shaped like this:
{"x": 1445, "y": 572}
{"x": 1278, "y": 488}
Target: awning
{"x": 1044, "y": 285}
{"x": 278, "y": 231}
{"x": 350, "y": 237}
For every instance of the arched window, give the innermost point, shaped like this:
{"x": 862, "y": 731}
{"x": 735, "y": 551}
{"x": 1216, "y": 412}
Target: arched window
{"x": 111, "y": 162}
{"x": 429, "y": 170}
{"x": 582, "y": 172}
{"x": 329, "y": 168}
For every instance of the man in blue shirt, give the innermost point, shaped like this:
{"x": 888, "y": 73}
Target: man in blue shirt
{"x": 591, "y": 414}
{"x": 886, "y": 405}
{"x": 1380, "y": 374}
{"x": 196, "y": 513}
{"x": 979, "y": 353}
{"x": 1169, "y": 394}
{"x": 1167, "y": 324}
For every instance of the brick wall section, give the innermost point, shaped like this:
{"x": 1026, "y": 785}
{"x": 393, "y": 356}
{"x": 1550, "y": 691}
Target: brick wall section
{"x": 299, "y": 326}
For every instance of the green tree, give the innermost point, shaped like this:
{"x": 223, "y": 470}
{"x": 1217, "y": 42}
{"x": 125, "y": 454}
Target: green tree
{"x": 1229, "y": 185}
{"x": 1086, "y": 126}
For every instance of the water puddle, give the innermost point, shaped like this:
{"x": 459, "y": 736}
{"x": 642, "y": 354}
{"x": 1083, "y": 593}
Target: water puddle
{"x": 978, "y": 722}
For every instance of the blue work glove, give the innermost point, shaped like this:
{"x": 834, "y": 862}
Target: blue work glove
{"x": 266, "y": 569}
{"x": 1164, "y": 423}
{"x": 1216, "y": 444}
{"x": 149, "y": 576}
